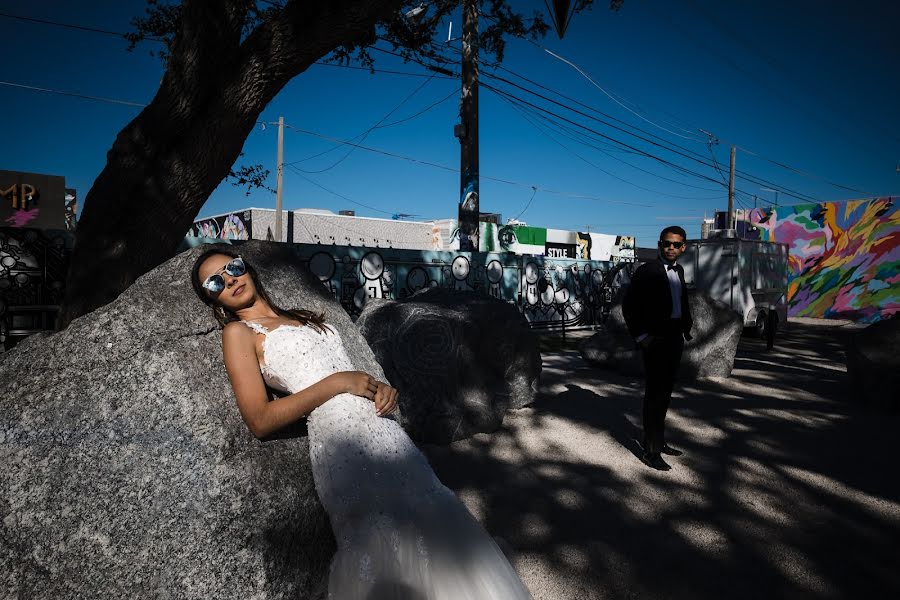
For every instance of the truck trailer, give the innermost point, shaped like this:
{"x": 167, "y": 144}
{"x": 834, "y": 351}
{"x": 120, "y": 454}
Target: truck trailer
{"x": 750, "y": 276}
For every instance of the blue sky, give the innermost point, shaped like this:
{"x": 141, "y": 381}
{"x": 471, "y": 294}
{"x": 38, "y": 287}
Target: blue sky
{"x": 810, "y": 85}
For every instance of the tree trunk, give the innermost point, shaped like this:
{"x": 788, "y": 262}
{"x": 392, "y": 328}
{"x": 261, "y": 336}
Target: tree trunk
{"x": 164, "y": 164}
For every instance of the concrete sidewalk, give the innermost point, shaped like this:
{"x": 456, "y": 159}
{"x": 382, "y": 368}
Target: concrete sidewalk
{"x": 787, "y": 489}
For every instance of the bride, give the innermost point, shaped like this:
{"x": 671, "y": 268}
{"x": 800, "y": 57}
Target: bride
{"x": 400, "y": 533}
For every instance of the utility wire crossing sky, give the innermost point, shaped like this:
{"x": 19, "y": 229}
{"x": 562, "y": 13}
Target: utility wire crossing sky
{"x": 624, "y": 126}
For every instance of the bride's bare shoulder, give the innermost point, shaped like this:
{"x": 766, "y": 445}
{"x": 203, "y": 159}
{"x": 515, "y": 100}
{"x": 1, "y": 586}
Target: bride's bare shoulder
{"x": 236, "y": 332}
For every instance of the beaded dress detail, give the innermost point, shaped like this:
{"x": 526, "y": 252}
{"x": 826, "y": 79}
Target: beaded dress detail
{"x": 401, "y": 534}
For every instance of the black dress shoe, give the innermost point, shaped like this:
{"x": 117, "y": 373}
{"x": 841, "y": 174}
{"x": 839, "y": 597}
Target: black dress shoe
{"x": 655, "y": 461}
{"x": 667, "y": 449}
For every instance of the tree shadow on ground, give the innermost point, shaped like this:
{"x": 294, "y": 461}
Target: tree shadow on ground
{"x": 786, "y": 489}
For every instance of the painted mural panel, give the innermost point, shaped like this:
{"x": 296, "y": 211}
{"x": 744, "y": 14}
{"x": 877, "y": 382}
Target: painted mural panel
{"x": 844, "y": 256}
{"x": 539, "y": 241}
{"x": 550, "y": 293}
{"x": 233, "y": 226}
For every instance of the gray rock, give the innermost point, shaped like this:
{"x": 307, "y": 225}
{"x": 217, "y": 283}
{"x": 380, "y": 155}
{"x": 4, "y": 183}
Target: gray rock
{"x": 873, "y": 364}
{"x": 459, "y": 360}
{"x": 126, "y": 469}
{"x": 717, "y": 331}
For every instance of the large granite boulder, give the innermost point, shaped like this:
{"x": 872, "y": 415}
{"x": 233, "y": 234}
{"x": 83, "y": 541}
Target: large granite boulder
{"x": 716, "y": 333}
{"x": 459, "y": 359}
{"x": 127, "y": 471}
{"x": 873, "y": 364}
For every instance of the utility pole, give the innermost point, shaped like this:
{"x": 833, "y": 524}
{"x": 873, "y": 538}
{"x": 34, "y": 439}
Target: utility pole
{"x": 278, "y": 178}
{"x": 731, "y": 192}
{"x": 467, "y": 132}
{"x": 776, "y": 195}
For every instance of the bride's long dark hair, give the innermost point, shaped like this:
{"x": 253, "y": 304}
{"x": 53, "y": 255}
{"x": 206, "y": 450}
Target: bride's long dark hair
{"x": 225, "y": 316}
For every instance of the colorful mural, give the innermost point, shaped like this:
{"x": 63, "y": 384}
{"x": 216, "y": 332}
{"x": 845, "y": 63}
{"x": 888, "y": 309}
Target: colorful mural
{"x": 844, "y": 256}
{"x": 539, "y": 241}
{"x": 232, "y": 226}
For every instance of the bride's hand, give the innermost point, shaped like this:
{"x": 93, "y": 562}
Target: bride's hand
{"x": 359, "y": 383}
{"x": 385, "y": 399}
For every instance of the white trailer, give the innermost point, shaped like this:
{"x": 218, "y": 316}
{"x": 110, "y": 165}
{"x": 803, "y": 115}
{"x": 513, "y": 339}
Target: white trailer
{"x": 750, "y": 276}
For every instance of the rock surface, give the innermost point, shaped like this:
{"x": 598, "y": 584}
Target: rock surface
{"x": 873, "y": 363}
{"x": 459, "y": 360}
{"x": 717, "y": 331}
{"x": 126, "y": 469}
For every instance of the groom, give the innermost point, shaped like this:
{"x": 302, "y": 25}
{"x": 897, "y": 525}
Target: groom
{"x": 659, "y": 319}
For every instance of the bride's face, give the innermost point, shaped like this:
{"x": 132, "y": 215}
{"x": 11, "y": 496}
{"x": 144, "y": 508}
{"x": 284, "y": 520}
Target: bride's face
{"x": 239, "y": 292}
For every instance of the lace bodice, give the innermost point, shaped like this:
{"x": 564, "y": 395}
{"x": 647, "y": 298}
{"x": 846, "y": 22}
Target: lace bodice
{"x": 297, "y": 356}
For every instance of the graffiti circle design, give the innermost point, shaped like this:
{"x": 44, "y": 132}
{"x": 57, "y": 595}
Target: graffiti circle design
{"x": 548, "y": 294}
{"x": 360, "y": 298}
{"x": 494, "y": 271}
{"x": 322, "y": 265}
{"x": 416, "y": 279}
{"x": 372, "y": 265}
{"x": 460, "y": 268}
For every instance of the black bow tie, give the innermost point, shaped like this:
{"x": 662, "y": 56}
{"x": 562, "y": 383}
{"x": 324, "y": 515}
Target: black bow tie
{"x": 670, "y": 267}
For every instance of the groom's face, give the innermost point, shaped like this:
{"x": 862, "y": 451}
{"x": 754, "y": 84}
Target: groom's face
{"x": 671, "y": 246}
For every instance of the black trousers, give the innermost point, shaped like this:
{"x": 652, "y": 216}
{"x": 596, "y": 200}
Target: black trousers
{"x": 661, "y": 360}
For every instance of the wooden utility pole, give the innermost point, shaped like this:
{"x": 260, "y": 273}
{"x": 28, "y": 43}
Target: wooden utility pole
{"x": 278, "y": 178}
{"x": 467, "y": 132}
{"x": 731, "y": 223}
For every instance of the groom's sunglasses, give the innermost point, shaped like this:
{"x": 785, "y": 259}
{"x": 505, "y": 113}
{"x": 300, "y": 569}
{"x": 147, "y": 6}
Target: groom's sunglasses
{"x": 216, "y": 283}
{"x": 667, "y": 243}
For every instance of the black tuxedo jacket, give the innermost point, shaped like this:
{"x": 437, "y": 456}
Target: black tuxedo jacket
{"x": 647, "y": 305}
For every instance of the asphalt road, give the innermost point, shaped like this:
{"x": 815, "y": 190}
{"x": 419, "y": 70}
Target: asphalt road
{"x": 787, "y": 488}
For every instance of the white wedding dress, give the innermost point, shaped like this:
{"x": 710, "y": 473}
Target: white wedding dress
{"x": 401, "y": 534}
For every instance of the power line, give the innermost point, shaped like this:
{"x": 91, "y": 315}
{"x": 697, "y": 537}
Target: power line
{"x": 456, "y": 170}
{"x": 687, "y": 154}
{"x": 799, "y": 171}
{"x": 71, "y": 26}
{"x": 448, "y": 74}
{"x": 563, "y": 130}
{"x": 522, "y": 212}
{"x": 332, "y": 192}
{"x": 366, "y": 133}
{"x": 383, "y": 71}
{"x": 610, "y": 96}
{"x": 72, "y": 94}
{"x": 597, "y": 166}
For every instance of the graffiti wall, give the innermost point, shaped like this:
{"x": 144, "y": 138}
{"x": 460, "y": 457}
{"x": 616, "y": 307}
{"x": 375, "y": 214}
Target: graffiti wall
{"x": 844, "y": 256}
{"x": 550, "y": 292}
{"x": 539, "y": 241}
{"x": 33, "y": 268}
{"x": 233, "y": 226}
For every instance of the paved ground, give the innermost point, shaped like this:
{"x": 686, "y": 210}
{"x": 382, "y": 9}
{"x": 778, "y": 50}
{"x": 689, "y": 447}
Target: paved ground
{"x": 786, "y": 490}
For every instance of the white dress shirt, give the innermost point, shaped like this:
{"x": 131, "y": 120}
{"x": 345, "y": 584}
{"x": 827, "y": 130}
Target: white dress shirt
{"x": 675, "y": 288}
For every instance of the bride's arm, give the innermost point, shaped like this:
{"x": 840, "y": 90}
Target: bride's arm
{"x": 260, "y": 414}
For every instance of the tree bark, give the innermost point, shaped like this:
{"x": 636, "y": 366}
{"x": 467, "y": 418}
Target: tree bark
{"x": 163, "y": 165}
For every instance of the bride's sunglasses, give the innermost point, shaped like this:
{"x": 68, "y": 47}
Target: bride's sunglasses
{"x": 216, "y": 283}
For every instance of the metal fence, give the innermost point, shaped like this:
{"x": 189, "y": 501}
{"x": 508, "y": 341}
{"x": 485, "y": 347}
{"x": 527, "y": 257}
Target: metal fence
{"x": 551, "y": 293}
